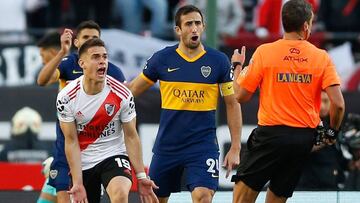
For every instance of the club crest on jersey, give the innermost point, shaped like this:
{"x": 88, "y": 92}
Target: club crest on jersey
{"x": 53, "y": 174}
{"x": 110, "y": 108}
{"x": 205, "y": 71}
{"x": 65, "y": 99}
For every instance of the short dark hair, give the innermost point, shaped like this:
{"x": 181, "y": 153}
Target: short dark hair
{"x": 185, "y": 10}
{"x": 49, "y": 40}
{"x": 90, "y": 24}
{"x": 294, "y": 14}
{"x": 95, "y": 42}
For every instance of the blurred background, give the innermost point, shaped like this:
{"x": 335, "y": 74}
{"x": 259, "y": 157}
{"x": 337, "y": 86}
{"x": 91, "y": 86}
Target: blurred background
{"x": 133, "y": 30}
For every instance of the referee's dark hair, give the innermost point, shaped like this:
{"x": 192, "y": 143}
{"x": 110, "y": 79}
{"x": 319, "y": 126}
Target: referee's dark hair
{"x": 294, "y": 14}
{"x": 89, "y": 24}
{"x": 50, "y": 40}
{"x": 185, "y": 10}
{"x": 95, "y": 42}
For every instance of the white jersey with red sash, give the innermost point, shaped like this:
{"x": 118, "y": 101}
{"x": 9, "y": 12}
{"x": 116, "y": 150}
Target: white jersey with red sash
{"x": 98, "y": 118}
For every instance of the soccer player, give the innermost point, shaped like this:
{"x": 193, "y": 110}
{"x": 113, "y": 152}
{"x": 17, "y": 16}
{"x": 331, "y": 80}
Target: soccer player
{"x": 190, "y": 76}
{"x": 65, "y": 68}
{"x": 97, "y": 116}
{"x": 290, "y": 73}
{"x": 49, "y": 45}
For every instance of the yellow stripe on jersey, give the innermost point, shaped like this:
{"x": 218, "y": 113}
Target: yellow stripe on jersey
{"x": 227, "y": 88}
{"x": 57, "y": 71}
{"x": 146, "y": 79}
{"x": 62, "y": 84}
{"x": 190, "y": 59}
{"x": 189, "y": 96}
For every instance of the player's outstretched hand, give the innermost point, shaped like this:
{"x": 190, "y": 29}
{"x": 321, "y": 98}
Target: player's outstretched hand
{"x": 78, "y": 193}
{"x": 232, "y": 160}
{"x": 146, "y": 192}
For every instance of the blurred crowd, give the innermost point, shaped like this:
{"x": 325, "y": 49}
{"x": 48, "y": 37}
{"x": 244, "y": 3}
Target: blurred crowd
{"x": 154, "y": 17}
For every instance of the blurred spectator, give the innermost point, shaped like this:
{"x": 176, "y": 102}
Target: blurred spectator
{"x": 350, "y": 142}
{"x": 98, "y": 10}
{"x": 325, "y": 167}
{"x": 230, "y": 15}
{"x": 24, "y": 145}
{"x": 268, "y": 17}
{"x": 36, "y": 13}
{"x": 13, "y": 21}
{"x": 340, "y": 15}
{"x": 132, "y": 16}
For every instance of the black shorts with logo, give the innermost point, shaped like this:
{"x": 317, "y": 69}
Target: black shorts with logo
{"x": 276, "y": 154}
{"x": 102, "y": 173}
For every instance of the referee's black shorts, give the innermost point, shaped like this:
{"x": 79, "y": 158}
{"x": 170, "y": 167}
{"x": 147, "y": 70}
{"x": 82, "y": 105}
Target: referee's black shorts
{"x": 276, "y": 154}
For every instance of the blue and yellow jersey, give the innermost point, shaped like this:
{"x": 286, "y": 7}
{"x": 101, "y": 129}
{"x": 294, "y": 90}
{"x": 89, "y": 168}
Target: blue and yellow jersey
{"x": 189, "y": 93}
{"x": 67, "y": 71}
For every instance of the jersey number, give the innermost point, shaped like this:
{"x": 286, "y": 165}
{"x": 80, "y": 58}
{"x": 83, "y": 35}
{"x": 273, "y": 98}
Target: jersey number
{"x": 123, "y": 163}
{"x": 213, "y": 165}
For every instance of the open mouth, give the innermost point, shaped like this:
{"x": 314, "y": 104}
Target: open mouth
{"x": 194, "y": 38}
{"x": 101, "y": 71}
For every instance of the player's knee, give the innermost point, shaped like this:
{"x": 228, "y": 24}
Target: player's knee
{"x": 118, "y": 195}
{"x": 62, "y": 197}
{"x": 202, "y": 195}
{"x": 243, "y": 193}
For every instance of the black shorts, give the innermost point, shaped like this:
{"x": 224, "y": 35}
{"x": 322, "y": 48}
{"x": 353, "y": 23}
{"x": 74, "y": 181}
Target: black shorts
{"x": 276, "y": 154}
{"x": 102, "y": 173}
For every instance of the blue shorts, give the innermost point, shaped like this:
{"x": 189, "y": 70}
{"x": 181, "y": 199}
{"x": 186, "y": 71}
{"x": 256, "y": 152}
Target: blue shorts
{"x": 199, "y": 170}
{"x": 59, "y": 176}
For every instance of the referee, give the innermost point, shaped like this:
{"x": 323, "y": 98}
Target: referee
{"x": 290, "y": 74}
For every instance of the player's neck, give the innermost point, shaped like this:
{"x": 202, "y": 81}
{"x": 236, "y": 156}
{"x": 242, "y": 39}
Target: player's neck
{"x": 293, "y": 36}
{"x": 92, "y": 87}
{"x": 191, "y": 53}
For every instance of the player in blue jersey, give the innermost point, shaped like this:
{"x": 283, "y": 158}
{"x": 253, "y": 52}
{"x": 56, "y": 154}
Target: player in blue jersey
{"x": 190, "y": 76}
{"x": 64, "y": 69}
{"x": 48, "y": 46}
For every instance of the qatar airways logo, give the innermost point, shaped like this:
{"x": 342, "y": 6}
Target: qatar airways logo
{"x": 189, "y": 96}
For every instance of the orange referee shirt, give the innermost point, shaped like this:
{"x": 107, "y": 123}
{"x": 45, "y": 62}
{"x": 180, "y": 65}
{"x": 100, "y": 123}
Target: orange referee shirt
{"x": 291, "y": 75}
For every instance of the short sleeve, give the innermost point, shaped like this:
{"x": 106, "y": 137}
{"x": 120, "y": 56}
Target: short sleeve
{"x": 151, "y": 66}
{"x": 64, "y": 112}
{"x": 226, "y": 77}
{"x": 330, "y": 75}
{"x": 251, "y": 76}
{"x": 226, "y": 74}
{"x": 127, "y": 112}
{"x": 116, "y": 73}
{"x": 66, "y": 62}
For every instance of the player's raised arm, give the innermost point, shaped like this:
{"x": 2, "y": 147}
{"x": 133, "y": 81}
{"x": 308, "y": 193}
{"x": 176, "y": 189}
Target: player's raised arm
{"x": 238, "y": 60}
{"x": 48, "y": 74}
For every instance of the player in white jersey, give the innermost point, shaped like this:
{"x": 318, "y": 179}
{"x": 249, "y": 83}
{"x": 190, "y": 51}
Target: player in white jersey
{"x": 97, "y": 116}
